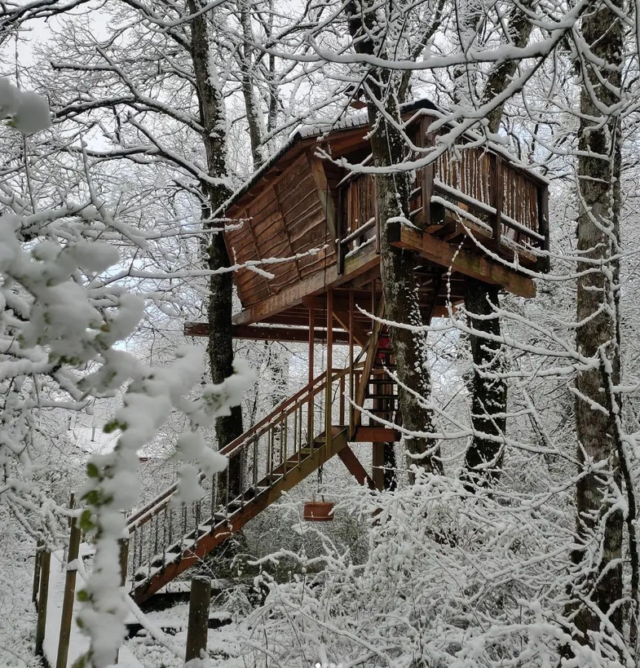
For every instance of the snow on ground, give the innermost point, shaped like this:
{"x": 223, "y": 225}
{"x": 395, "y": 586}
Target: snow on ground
{"x": 79, "y": 643}
{"x": 224, "y": 647}
{"x": 18, "y": 619}
{"x": 17, "y": 615}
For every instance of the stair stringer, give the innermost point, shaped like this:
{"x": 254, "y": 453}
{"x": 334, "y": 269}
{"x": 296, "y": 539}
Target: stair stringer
{"x": 238, "y": 519}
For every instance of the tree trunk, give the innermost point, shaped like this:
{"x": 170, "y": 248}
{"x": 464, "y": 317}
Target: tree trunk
{"x": 489, "y": 402}
{"x": 397, "y": 267}
{"x": 502, "y": 74}
{"x": 484, "y": 456}
{"x": 596, "y": 337}
{"x": 221, "y": 285}
{"x": 251, "y": 103}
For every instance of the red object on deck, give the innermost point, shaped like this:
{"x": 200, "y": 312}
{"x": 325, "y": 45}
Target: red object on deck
{"x": 318, "y": 511}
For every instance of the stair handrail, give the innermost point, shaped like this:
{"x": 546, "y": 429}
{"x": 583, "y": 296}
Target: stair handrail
{"x": 284, "y": 409}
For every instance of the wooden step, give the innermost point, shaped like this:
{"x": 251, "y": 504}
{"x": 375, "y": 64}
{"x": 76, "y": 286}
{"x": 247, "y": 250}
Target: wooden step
{"x": 393, "y": 397}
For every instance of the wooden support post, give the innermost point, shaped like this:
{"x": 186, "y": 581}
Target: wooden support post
{"x": 377, "y": 453}
{"x": 66, "y": 617}
{"x": 72, "y": 504}
{"x": 312, "y": 338}
{"x": 376, "y": 213}
{"x": 36, "y": 572}
{"x": 43, "y": 598}
{"x": 198, "y": 629}
{"x": 363, "y": 382}
{"x": 341, "y": 250}
{"x": 328, "y": 397}
{"x": 377, "y": 464}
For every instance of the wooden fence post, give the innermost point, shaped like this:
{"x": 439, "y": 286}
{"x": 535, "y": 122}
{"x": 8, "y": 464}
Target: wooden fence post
{"x": 198, "y": 617}
{"x": 36, "y": 572}
{"x": 43, "y": 597}
{"x": 124, "y": 560}
{"x": 66, "y": 617}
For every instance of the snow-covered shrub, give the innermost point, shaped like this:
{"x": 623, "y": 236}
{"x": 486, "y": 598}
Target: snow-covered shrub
{"x": 451, "y": 580}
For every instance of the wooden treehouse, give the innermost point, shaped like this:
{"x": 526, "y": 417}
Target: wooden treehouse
{"x": 296, "y": 203}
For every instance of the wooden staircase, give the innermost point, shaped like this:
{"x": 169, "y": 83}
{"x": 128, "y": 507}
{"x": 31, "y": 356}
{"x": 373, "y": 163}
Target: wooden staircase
{"x": 275, "y": 455}
{"x": 282, "y": 449}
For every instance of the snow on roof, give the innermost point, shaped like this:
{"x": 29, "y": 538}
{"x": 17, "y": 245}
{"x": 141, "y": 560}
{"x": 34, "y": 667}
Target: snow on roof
{"x": 348, "y": 121}
{"x": 354, "y": 120}
{"x": 309, "y": 131}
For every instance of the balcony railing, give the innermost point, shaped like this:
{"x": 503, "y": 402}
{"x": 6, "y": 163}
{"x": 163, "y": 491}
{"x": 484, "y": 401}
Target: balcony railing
{"x": 483, "y": 192}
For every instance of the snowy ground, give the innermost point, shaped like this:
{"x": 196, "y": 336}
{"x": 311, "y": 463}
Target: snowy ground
{"x": 17, "y": 616}
{"x": 78, "y": 643}
{"x": 18, "y": 623}
{"x": 225, "y": 650}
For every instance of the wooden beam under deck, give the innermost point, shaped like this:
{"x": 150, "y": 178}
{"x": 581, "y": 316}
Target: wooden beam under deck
{"x": 366, "y": 260}
{"x": 463, "y": 261}
{"x": 276, "y": 308}
{"x": 259, "y": 333}
{"x": 316, "y": 284}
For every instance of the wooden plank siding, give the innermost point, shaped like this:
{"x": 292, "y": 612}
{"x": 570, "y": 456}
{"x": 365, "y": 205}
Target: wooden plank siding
{"x": 285, "y": 219}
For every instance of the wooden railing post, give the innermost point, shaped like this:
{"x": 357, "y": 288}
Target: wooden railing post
{"x": 43, "y": 598}
{"x": 497, "y": 193}
{"x": 124, "y": 560}
{"x": 543, "y": 225}
{"x": 198, "y": 629}
{"x": 66, "y": 617}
